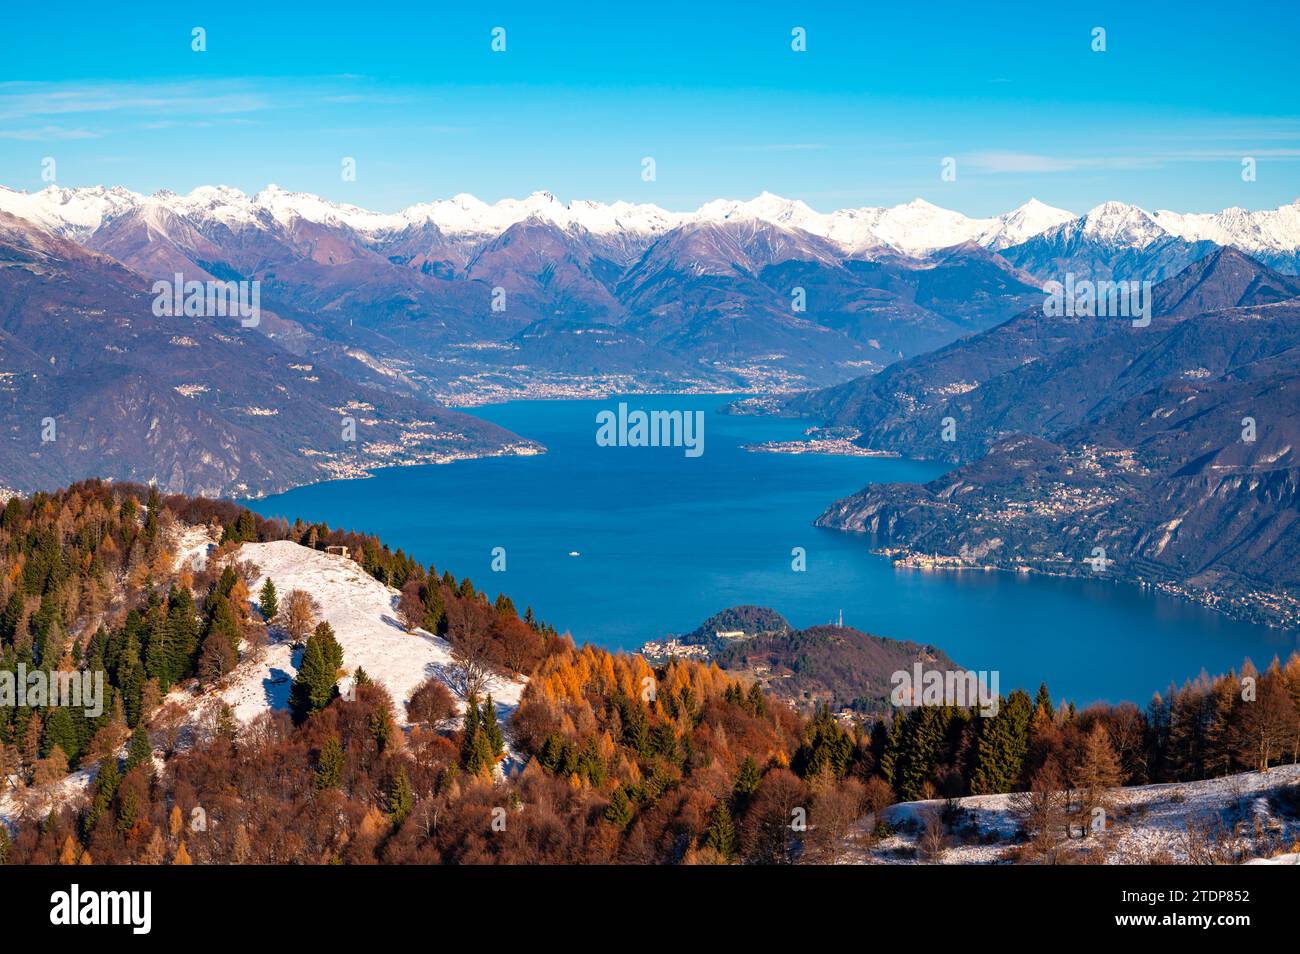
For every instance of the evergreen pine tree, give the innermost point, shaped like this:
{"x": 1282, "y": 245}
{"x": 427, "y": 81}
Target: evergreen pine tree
{"x": 381, "y": 727}
{"x": 158, "y": 653}
{"x": 469, "y": 732}
{"x": 221, "y": 620}
{"x": 245, "y": 528}
{"x": 891, "y": 748}
{"x": 139, "y": 750}
{"x": 1044, "y": 700}
{"x": 435, "y": 616}
{"x": 620, "y": 810}
{"x": 10, "y": 618}
{"x": 1003, "y": 743}
{"x": 400, "y": 797}
{"x": 826, "y": 746}
{"x": 747, "y": 779}
{"x": 330, "y": 645}
{"x": 721, "y": 835}
{"x": 315, "y": 685}
{"x": 268, "y": 602}
{"x": 105, "y": 789}
{"x": 492, "y": 728}
{"x": 183, "y": 634}
{"x": 329, "y": 765}
{"x": 61, "y": 731}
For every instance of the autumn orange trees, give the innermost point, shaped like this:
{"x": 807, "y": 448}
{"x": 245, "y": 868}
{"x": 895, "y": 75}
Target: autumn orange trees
{"x": 606, "y": 759}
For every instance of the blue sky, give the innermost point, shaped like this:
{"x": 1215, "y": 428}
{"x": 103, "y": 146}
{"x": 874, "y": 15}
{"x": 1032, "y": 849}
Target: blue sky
{"x": 865, "y": 116}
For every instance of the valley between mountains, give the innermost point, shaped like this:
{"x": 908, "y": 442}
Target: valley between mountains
{"x": 1163, "y": 455}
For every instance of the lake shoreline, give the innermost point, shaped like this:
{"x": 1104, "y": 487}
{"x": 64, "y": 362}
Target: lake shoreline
{"x": 667, "y": 541}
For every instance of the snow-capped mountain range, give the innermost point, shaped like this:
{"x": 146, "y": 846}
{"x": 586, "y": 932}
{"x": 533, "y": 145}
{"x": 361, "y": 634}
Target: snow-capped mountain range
{"x": 913, "y": 229}
{"x": 458, "y": 301}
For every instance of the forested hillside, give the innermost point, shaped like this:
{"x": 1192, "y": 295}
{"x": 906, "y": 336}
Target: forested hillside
{"x": 605, "y": 758}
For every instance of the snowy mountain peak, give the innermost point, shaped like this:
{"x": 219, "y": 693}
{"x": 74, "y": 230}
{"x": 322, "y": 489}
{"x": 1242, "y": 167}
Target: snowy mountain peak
{"x": 915, "y": 228}
{"x": 1117, "y": 223}
{"x": 1022, "y": 223}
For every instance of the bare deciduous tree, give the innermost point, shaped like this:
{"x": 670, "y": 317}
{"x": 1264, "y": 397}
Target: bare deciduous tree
{"x": 934, "y": 836}
{"x": 410, "y": 608}
{"x": 1042, "y": 811}
{"x": 432, "y": 702}
{"x": 471, "y": 668}
{"x": 298, "y": 614}
{"x": 1268, "y": 723}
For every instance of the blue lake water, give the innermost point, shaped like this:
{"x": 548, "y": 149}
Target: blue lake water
{"x": 666, "y": 540}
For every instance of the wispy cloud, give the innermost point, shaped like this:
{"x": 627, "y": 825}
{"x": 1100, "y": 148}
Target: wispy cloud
{"x": 787, "y": 147}
{"x": 27, "y": 101}
{"x": 47, "y": 134}
{"x": 1025, "y": 162}
{"x": 196, "y": 123}
{"x": 1022, "y": 163}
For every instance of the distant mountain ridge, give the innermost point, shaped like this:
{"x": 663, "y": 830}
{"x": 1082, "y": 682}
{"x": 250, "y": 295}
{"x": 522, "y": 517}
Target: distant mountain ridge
{"x": 93, "y": 383}
{"x": 914, "y": 228}
{"x": 458, "y": 302}
{"x": 462, "y": 302}
{"x": 1167, "y": 450}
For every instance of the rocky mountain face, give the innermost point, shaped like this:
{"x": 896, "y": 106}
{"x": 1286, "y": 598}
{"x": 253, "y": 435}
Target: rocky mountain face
{"x": 1040, "y": 373}
{"x": 459, "y": 301}
{"x": 94, "y": 383}
{"x": 1170, "y": 449}
{"x": 464, "y": 301}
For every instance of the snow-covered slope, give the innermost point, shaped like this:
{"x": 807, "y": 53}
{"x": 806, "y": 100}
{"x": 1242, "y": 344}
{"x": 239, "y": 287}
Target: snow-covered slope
{"x": 1146, "y": 823}
{"x": 72, "y": 213}
{"x": 362, "y": 612}
{"x": 914, "y": 228}
{"x": 1021, "y": 224}
{"x": 1119, "y": 225}
{"x": 1268, "y": 230}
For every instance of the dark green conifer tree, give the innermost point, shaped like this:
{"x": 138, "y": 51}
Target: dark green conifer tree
{"x": 61, "y": 731}
{"x": 620, "y": 810}
{"x": 139, "y": 750}
{"x": 329, "y": 764}
{"x": 400, "y": 797}
{"x": 182, "y": 634}
{"x": 492, "y": 728}
{"x": 747, "y": 779}
{"x": 268, "y": 601}
{"x": 1044, "y": 700}
{"x": 222, "y": 620}
{"x": 1002, "y": 746}
{"x": 315, "y": 685}
{"x": 721, "y": 836}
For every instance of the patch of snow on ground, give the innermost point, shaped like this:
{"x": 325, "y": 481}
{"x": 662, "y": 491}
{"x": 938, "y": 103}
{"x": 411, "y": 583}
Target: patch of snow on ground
{"x": 363, "y": 613}
{"x": 36, "y": 802}
{"x": 192, "y": 546}
{"x": 1145, "y": 820}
